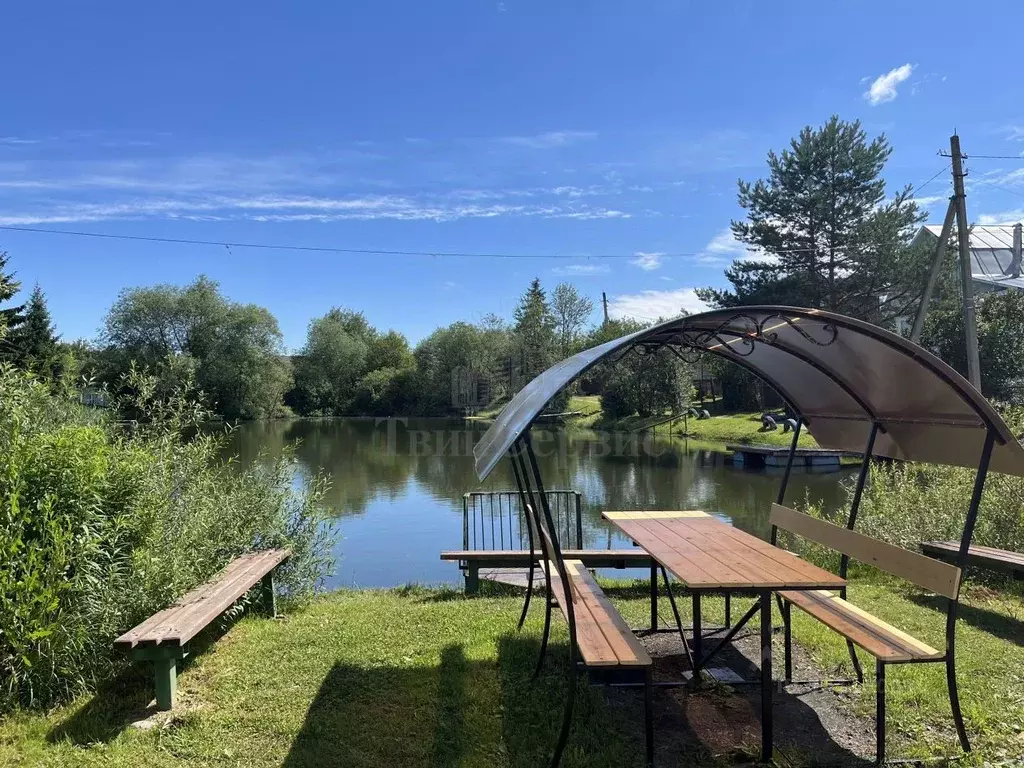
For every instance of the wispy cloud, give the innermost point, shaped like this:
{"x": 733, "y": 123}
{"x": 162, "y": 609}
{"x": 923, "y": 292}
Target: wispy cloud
{"x": 884, "y": 87}
{"x": 1014, "y": 132}
{"x": 647, "y": 261}
{"x": 651, "y": 305}
{"x": 581, "y": 270}
{"x": 929, "y": 200}
{"x": 549, "y": 139}
{"x": 1002, "y": 217}
{"x": 18, "y": 140}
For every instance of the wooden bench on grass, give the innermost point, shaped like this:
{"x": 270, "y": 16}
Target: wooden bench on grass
{"x": 983, "y": 557}
{"x": 163, "y": 638}
{"x": 885, "y": 642}
{"x": 472, "y": 561}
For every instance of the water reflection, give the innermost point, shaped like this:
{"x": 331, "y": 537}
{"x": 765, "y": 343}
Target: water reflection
{"x": 398, "y": 485}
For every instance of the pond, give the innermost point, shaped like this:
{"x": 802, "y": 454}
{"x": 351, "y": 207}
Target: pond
{"x": 398, "y": 485}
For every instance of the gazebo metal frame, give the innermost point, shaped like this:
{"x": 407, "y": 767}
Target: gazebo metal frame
{"x": 836, "y": 374}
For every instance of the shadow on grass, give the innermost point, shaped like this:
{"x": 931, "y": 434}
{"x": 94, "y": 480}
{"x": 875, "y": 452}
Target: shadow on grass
{"x": 129, "y": 697}
{"x": 1000, "y": 625}
{"x": 394, "y": 716}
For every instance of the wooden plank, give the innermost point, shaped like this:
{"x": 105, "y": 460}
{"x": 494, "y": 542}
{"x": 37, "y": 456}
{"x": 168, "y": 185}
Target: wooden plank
{"x": 924, "y": 571}
{"x": 690, "y": 564}
{"x": 186, "y": 622}
{"x": 983, "y": 557}
{"x": 616, "y": 632}
{"x": 868, "y": 632}
{"x": 654, "y": 514}
{"x": 729, "y": 552}
{"x": 592, "y": 558}
{"x": 177, "y": 623}
{"x": 810, "y": 573}
{"x": 590, "y": 640}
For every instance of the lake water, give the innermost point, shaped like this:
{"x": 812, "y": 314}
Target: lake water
{"x": 398, "y": 485}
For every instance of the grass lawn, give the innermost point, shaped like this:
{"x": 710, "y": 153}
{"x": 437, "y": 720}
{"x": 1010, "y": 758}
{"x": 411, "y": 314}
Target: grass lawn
{"x": 427, "y": 678}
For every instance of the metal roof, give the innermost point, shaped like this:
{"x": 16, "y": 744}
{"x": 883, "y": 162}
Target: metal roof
{"x": 991, "y": 255}
{"x": 839, "y": 373}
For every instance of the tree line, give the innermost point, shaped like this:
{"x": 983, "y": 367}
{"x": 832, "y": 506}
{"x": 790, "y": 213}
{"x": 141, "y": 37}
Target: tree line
{"x": 820, "y": 230}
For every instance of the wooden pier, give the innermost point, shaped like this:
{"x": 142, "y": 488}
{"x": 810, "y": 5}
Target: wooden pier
{"x": 757, "y": 456}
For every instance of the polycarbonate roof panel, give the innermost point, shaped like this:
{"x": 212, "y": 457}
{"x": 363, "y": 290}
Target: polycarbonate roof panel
{"x": 840, "y": 374}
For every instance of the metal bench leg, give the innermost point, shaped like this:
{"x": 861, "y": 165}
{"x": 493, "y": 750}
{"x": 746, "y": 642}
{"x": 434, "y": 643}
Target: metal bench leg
{"x": 269, "y": 595}
{"x": 788, "y": 640}
{"x": 529, "y": 594}
{"x": 472, "y": 578}
{"x": 879, "y": 712}
{"x": 954, "y": 701}
{"x": 856, "y": 661}
{"x": 654, "y": 596}
{"x": 544, "y": 637}
{"x": 166, "y": 670}
{"x": 649, "y": 717}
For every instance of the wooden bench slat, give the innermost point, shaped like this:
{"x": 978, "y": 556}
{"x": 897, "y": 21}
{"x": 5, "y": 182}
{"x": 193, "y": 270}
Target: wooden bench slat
{"x": 926, "y": 572}
{"x": 620, "y": 637}
{"x": 603, "y": 638}
{"x": 870, "y": 633}
{"x": 590, "y": 640}
{"x": 180, "y": 622}
{"x": 985, "y": 557}
{"x": 164, "y": 623}
{"x": 199, "y": 615}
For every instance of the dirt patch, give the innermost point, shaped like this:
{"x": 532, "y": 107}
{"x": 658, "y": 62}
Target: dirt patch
{"x": 721, "y": 721}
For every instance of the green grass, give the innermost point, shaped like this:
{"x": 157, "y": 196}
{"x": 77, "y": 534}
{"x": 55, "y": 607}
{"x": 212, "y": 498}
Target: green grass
{"x": 426, "y": 678}
{"x": 742, "y": 428}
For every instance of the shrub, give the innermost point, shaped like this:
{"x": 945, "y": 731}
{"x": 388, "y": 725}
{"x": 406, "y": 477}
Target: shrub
{"x": 101, "y": 526}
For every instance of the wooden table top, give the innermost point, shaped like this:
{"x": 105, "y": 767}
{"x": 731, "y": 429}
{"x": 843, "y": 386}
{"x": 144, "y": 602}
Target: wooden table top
{"x": 706, "y": 553}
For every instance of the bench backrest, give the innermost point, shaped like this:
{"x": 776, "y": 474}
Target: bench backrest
{"x": 926, "y": 572}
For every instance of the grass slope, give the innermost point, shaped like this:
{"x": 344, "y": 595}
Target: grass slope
{"x": 426, "y": 678}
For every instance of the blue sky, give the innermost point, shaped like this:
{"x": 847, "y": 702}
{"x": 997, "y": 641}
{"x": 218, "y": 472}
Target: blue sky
{"x": 574, "y": 129}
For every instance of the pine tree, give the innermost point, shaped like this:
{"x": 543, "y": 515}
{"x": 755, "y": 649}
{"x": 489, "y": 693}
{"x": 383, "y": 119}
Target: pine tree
{"x": 535, "y": 331}
{"x": 32, "y": 345}
{"x": 10, "y": 317}
{"x": 824, "y": 233}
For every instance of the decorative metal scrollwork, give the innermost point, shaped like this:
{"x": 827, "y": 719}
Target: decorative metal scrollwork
{"x": 739, "y": 334}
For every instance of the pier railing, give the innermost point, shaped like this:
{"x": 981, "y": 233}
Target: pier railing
{"x": 495, "y": 520}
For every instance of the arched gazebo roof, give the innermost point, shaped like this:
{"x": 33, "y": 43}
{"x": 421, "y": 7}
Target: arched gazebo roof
{"x": 840, "y": 374}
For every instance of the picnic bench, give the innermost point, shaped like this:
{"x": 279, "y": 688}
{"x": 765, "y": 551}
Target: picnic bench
{"x": 983, "y": 557}
{"x": 164, "y": 637}
{"x": 472, "y": 561}
{"x": 885, "y": 642}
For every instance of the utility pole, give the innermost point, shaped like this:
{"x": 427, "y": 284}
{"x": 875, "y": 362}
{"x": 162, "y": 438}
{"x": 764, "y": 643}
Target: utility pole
{"x": 933, "y": 276}
{"x": 1014, "y": 269}
{"x": 970, "y": 323}
{"x": 604, "y": 301}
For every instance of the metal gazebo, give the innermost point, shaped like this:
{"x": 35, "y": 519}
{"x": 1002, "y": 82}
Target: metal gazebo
{"x": 854, "y": 386}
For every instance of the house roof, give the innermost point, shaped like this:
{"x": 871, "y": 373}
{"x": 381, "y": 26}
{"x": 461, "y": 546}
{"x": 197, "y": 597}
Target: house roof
{"x": 840, "y": 374}
{"x": 991, "y": 255}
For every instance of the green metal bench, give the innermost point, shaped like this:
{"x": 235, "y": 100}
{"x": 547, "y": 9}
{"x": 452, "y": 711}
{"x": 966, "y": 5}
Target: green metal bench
{"x": 164, "y": 637}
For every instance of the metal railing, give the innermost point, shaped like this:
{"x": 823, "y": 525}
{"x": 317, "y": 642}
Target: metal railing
{"x": 495, "y": 520}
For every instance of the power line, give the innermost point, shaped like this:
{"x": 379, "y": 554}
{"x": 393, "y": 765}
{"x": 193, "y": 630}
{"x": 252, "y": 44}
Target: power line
{"x": 973, "y": 156}
{"x": 353, "y": 251}
{"x": 933, "y": 178}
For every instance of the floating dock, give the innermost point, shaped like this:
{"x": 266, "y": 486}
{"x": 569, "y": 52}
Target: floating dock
{"x": 757, "y": 456}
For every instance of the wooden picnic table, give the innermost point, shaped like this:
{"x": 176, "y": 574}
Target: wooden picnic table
{"x": 710, "y": 556}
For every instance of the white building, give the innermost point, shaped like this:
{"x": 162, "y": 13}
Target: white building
{"x": 994, "y": 266}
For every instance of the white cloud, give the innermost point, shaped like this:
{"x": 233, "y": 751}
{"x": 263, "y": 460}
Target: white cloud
{"x": 930, "y": 200}
{"x": 18, "y": 140}
{"x": 1003, "y": 217}
{"x": 582, "y": 270}
{"x": 1014, "y": 132}
{"x": 725, "y": 249}
{"x": 647, "y": 261}
{"x": 883, "y": 89}
{"x": 549, "y": 139}
{"x": 650, "y": 305}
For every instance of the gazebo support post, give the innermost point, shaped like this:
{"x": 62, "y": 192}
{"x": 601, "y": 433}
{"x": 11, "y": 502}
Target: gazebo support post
{"x": 529, "y": 532}
{"x": 566, "y": 599}
{"x": 965, "y": 544}
{"x": 780, "y": 497}
{"x": 844, "y": 561}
